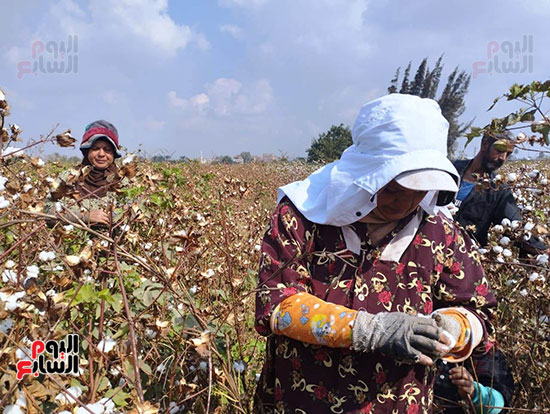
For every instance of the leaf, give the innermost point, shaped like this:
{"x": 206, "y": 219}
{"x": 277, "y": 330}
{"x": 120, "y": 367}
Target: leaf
{"x": 103, "y": 384}
{"x": 86, "y": 294}
{"x": 528, "y": 116}
{"x": 494, "y": 103}
{"x": 474, "y": 132}
{"x": 202, "y": 343}
{"x": 118, "y": 396}
{"x": 543, "y": 129}
{"x": 145, "y": 368}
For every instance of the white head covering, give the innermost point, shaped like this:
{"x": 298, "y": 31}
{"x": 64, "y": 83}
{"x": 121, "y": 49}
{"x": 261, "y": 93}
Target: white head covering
{"x": 391, "y": 135}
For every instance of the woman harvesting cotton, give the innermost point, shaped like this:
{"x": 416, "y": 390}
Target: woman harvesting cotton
{"x": 363, "y": 281}
{"x": 88, "y": 190}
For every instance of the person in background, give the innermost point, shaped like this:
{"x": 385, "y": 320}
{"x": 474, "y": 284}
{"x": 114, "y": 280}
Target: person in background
{"x": 485, "y": 380}
{"x": 90, "y": 186}
{"x": 363, "y": 283}
{"x": 485, "y": 208}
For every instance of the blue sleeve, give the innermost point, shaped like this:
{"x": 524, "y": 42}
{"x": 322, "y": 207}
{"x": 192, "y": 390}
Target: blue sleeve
{"x": 488, "y": 396}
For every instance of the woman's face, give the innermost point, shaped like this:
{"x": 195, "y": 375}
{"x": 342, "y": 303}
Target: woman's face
{"x": 395, "y": 202}
{"x": 101, "y": 154}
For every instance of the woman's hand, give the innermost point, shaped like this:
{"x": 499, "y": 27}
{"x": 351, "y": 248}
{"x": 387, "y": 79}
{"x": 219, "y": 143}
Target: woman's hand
{"x": 464, "y": 381}
{"x": 98, "y": 217}
{"x": 401, "y": 335}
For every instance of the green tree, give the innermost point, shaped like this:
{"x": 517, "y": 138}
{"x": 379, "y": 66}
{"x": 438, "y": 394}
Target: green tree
{"x": 451, "y": 101}
{"x": 247, "y": 157}
{"x": 226, "y": 159}
{"x": 330, "y": 145}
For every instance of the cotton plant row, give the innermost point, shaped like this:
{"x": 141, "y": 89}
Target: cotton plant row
{"x": 187, "y": 248}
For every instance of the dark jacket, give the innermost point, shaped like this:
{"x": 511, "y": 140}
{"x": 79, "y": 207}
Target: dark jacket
{"x": 490, "y": 370}
{"x": 488, "y": 207}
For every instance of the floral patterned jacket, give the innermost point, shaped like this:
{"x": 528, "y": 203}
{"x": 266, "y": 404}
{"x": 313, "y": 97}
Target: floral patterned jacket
{"x": 440, "y": 268}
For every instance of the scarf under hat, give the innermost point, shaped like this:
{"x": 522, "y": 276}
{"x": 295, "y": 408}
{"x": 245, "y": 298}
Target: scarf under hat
{"x": 96, "y": 182}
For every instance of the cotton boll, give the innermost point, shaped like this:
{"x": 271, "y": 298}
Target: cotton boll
{"x": 482, "y": 250}
{"x": 106, "y": 345}
{"x": 3, "y": 202}
{"x": 46, "y": 256}
{"x": 543, "y": 181}
{"x": 506, "y": 222}
{"x": 239, "y": 367}
{"x": 515, "y": 224}
{"x": 523, "y": 292}
{"x": 33, "y": 271}
{"x": 3, "y": 181}
{"x": 9, "y": 276}
{"x": 65, "y": 399}
{"x": 497, "y": 249}
{"x": 173, "y": 408}
{"x": 13, "y": 409}
{"x": 534, "y": 174}
{"x": 95, "y": 408}
{"x": 528, "y": 226}
{"x": 507, "y": 253}
{"x": 203, "y": 366}
{"x": 511, "y": 177}
{"x": 11, "y": 301}
{"x": 542, "y": 259}
{"x": 498, "y": 228}
{"x": 6, "y": 325}
{"x": 504, "y": 241}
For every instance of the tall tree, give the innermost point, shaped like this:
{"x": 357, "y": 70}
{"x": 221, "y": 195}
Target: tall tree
{"x": 393, "y": 84}
{"x": 417, "y": 85}
{"x": 330, "y": 145}
{"x": 451, "y": 101}
{"x": 405, "y": 85}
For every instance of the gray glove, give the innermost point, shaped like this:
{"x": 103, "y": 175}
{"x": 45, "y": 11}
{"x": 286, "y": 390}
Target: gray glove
{"x": 450, "y": 327}
{"x": 395, "y": 334}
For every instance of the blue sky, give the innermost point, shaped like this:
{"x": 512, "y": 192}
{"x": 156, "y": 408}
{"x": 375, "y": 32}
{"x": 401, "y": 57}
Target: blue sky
{"x": 265, "y": 76}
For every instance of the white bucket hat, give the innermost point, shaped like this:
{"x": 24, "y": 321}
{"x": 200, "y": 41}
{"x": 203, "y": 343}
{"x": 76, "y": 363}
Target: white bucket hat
{"x": 402, "y": 137}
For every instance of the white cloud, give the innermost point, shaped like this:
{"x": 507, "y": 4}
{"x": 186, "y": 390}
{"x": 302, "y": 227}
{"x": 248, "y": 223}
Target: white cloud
{"x": 176, "y": 102}
{"x": 200, "y": 102}
{"x": 119, "y": 27}
{"x": 233, "y": 30}
{"x": 146, "y": 21}
{"x": 225, "y": 97}
{"x": 242, "y": 3}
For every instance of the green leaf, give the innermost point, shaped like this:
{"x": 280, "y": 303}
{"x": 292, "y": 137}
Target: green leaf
{"x": 528, "y": 116}
{"x": 145, "y": 368}
{"x": 103, "y": 384}
{"x": 118, "y": 396}
{"x": 494, "y": 103}
{"x": 542, "y": 129}
{"x": 474, "y": 132}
